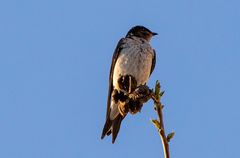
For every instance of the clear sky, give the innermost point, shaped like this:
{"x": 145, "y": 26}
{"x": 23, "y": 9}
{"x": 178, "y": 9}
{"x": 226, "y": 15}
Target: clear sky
{"x": 55, "y": 57}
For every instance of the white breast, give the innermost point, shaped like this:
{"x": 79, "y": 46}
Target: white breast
{"x": 134, "y": 59}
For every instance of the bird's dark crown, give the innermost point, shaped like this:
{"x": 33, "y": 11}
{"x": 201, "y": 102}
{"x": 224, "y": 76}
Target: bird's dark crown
{"x": 141, "y": 31}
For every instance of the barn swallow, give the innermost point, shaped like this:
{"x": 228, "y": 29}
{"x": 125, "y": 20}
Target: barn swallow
{"x": 133, "y": 60}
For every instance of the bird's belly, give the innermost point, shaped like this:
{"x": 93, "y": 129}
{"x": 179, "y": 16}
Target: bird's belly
{"x": 135, "y": 63}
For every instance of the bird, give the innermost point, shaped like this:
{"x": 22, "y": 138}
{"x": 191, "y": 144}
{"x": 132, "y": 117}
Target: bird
{"x": 132, "y": 64}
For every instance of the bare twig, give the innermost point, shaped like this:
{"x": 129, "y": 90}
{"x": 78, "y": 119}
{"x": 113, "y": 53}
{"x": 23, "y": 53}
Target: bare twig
{"x": 159, "y": 124}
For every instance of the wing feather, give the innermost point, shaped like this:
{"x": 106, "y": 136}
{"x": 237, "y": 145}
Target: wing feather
{"x": 110, "y": 88}
{"x": 153, "y": 61}
{"x": 112, "y": 126}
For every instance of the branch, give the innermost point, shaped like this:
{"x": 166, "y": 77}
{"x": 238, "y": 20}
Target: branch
{"x": 159, "y": 124}
{"x": 135, "y": 99}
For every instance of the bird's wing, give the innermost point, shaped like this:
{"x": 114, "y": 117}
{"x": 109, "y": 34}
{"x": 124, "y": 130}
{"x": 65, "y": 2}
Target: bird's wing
{"x": 112, "y": 126}
{"x": 153, "y": 62}
{"x": 110, "y": 88}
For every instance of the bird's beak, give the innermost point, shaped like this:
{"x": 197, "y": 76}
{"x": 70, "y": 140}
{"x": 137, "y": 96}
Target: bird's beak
{"x": 154, "y": 33}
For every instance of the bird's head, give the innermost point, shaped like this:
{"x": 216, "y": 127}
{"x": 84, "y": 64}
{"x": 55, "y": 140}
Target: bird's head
{"x": 141, "y": 32}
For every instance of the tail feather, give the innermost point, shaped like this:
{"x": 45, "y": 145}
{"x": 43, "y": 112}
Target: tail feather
{"x": 116, "y": 127}
{"x": 106, "y": 128}
{"x": 112, "y": 127}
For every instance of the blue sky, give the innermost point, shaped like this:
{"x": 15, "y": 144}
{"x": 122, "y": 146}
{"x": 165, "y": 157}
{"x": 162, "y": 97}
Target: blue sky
{"x": 55, "y": 57}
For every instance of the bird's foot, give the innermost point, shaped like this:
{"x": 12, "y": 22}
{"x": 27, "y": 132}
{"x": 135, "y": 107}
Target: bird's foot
{"x": 141, "y": 94}
{"x": 123, "y": 108}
